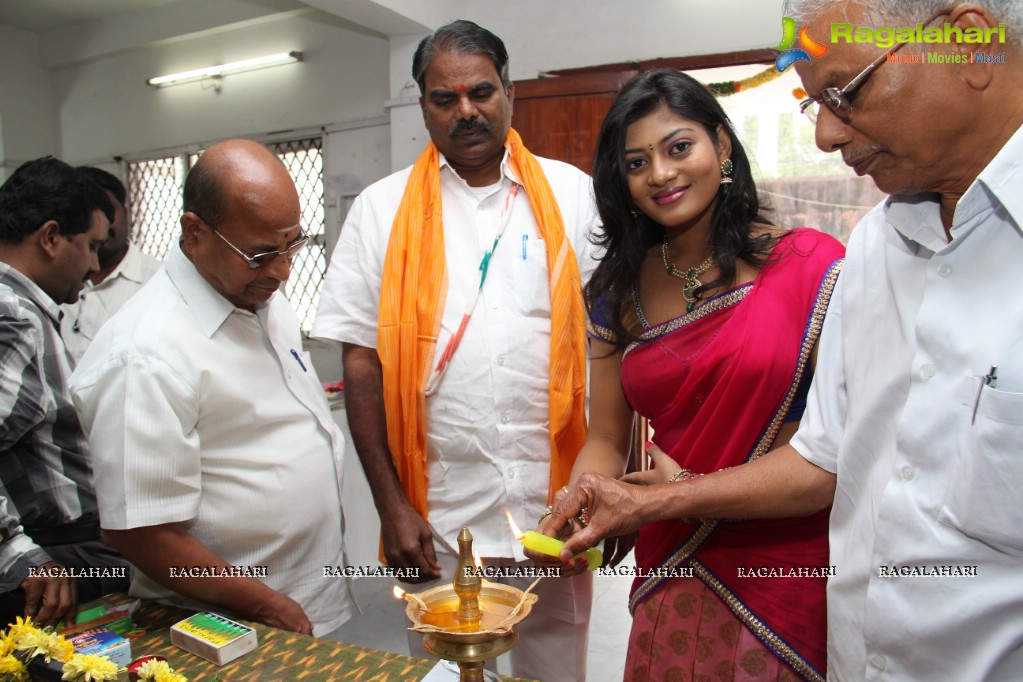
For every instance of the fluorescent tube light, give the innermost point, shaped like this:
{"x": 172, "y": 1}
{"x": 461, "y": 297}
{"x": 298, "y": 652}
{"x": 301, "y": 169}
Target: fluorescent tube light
{"x": 224, "y": 69}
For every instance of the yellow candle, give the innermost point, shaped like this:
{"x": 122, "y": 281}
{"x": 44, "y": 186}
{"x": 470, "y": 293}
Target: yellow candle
{"x": 538, "y": 542}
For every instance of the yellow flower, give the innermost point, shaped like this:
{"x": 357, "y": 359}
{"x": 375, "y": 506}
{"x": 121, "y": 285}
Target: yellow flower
{"x": 84, "y": 668}
{"x": 9, "y": 665}
{"x": 152, "y": 669}
{"x": 19, "y": 627}
{"x": 7, "y": 644}
{"x": 171, "y": 677}
{"x": 33, "y": 642}
{"x": 61, "y": 649}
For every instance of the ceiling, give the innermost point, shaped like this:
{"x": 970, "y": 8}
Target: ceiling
{"x": 40, "y": 16}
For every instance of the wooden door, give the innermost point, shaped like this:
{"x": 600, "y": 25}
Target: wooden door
{"x": 559, "y": 117}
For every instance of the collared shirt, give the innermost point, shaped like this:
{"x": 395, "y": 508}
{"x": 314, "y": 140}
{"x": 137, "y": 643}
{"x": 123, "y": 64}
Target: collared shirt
{"x": 44, "y": 457}
{"x": 927, "y": 524}
{"x": 98, "y": 302}
{"x": 488, "y": 442}
{"x": 201, "y": 414}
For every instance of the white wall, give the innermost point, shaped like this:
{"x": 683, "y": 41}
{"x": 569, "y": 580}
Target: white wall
{"x": 105, "y": 108}
{"x": 26, "y": 104}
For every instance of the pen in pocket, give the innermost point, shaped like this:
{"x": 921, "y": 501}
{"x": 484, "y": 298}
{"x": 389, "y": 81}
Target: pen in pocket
{"x": 525, "y": 237}
{"x": 298, "y": 359}
{"x": 989, "y": 379}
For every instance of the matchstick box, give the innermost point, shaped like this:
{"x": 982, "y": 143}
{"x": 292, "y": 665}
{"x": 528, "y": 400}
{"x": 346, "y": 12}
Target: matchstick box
{"x": 211, "y": 636}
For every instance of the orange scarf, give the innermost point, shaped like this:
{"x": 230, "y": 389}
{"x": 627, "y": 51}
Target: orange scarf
{"x": 412, "y": 296}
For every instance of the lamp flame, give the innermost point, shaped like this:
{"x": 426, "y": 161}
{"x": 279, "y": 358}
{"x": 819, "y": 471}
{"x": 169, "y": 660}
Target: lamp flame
{"x": 477, "y": 560}
{"x": 398, "y": 592}
{"x": 516, "y": 531}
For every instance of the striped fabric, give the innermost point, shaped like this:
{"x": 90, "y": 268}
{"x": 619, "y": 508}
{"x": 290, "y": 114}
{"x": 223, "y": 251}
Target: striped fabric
{"x": 412, "y": 292}
{"x": 44, "y": 458}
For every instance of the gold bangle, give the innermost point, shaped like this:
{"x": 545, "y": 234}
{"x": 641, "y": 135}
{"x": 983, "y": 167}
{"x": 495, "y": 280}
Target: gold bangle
{"x": 681, "y": 475}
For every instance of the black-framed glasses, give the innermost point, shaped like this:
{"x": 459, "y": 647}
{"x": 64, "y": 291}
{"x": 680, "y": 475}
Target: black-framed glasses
{"x": 837, "y": 99}
{"x": 261, "y": 259}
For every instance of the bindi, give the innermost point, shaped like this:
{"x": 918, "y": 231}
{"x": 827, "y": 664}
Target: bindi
{"x": 461, "y": 89}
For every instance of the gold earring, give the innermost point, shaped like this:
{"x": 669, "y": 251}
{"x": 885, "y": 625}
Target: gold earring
{"x": 726, "y": 176}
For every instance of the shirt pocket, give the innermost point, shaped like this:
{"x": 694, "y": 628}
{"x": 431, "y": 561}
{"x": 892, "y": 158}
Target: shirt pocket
{"x": 982, "y": 500}
{"x": 531, "y": 290}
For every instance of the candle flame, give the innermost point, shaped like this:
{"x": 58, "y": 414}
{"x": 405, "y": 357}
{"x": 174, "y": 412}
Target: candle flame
{"x": 398, "y": 592}
{"x": 516, "y": 531}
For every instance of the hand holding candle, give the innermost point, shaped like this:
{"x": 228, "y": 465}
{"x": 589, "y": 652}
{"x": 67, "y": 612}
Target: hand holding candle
{"x": 538, "y": 542}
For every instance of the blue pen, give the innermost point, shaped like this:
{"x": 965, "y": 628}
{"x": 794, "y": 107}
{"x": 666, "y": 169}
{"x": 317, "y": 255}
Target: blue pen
{"x": 298, "y": 359}
{"x": 524, "y": 238}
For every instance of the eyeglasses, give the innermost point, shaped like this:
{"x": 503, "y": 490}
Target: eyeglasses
{"x": 837, "y": 99}
{"x": 261, "y": 259}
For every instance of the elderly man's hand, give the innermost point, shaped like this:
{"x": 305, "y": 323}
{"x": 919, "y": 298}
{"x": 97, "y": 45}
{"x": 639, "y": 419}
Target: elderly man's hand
{"x": 49, "y": 600}
{"x": 574, "y": 565}
{"x": 614, "y": 508}
{"x": 408, "y": 542}
{"x": 281, "y": 611}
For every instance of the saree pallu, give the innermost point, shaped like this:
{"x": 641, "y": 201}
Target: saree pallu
{"x": 716, "y": 385}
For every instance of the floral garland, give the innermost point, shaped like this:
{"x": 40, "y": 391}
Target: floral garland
{"x": 725, "y": 88}
{"x": 23, "y": 642}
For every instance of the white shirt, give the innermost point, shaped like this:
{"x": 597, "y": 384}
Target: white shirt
{"x": 487, "y": 442}
{"x": 914, "y": 323}
{"x": 98, "y": 302}
{"x": 199, "y": 414}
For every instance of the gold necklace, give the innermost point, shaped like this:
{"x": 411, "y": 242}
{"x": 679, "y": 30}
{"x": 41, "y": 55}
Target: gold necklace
{"x": 690, "y": 276}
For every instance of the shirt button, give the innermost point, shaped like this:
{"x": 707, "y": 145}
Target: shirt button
{"x": 929, "y": 371}
{"x": 878, "y": 662}
{"x": 505, "y": 419}
{"x": 945, "y": 270}
{"x": 908, "y": 473}
{"x": 500, "y": 360}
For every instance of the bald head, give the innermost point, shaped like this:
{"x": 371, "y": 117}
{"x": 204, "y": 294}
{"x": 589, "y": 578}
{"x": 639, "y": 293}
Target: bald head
{"x": 232, "y": 171}
{"x": 240, "y": 201}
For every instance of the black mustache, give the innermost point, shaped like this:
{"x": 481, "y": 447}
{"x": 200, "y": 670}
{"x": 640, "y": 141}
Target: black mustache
{"x": 468, "y": 126}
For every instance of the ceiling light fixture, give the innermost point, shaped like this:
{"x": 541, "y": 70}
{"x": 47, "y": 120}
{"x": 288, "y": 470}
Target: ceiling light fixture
{"x": 224, "y": 69}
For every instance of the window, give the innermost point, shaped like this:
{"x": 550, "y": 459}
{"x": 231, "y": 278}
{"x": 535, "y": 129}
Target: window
{"x": 806, "y": 187}
{"x": 155, "y": 187}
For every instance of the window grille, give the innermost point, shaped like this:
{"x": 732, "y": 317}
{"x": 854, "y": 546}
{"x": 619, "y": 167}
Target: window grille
{"x": 155, "y": 190}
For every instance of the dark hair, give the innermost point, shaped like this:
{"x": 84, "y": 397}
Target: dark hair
{"x": 204, "y": 192}
{"x": 107, "y": 181}
{"x": 463, "y": 37}
{"x": 49, "y": 189}
{"x": 626, "y": 238}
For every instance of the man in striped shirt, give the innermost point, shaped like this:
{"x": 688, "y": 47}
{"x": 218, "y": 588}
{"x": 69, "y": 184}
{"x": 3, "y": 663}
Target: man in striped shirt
{"x": 53, "y": 220}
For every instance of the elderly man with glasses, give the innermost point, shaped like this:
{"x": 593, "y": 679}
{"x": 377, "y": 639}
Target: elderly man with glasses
{"x": 915, "y": 417}
{"x": 217, "y": 463}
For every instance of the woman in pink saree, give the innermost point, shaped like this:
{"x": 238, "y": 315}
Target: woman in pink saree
{"x": 704, "y": 319}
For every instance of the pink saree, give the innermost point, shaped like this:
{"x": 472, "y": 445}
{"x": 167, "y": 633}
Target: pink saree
{"x": 716, "y": 385}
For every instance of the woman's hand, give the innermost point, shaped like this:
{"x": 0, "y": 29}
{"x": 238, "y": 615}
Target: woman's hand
{"x": 664, "y": 467}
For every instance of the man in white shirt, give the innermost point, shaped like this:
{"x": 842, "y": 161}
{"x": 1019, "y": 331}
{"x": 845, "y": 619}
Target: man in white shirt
{"x": 215, "y": 450}
{"x": 123, "y": 269}
{"x": 485, "y": 396}
{"x": 914, "y": 424}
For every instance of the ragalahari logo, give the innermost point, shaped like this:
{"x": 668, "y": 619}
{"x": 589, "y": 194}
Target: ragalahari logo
{"x": 788, "y": 56}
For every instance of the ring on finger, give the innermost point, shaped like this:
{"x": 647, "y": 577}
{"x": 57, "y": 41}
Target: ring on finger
{"x": 546, "y": 512}
{"x": 583, "y": 517}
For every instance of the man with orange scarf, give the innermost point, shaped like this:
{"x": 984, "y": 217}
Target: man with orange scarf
{"x": 456, "y": 290}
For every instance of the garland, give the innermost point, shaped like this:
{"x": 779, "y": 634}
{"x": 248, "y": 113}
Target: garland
{"x": 725, "y": 88}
